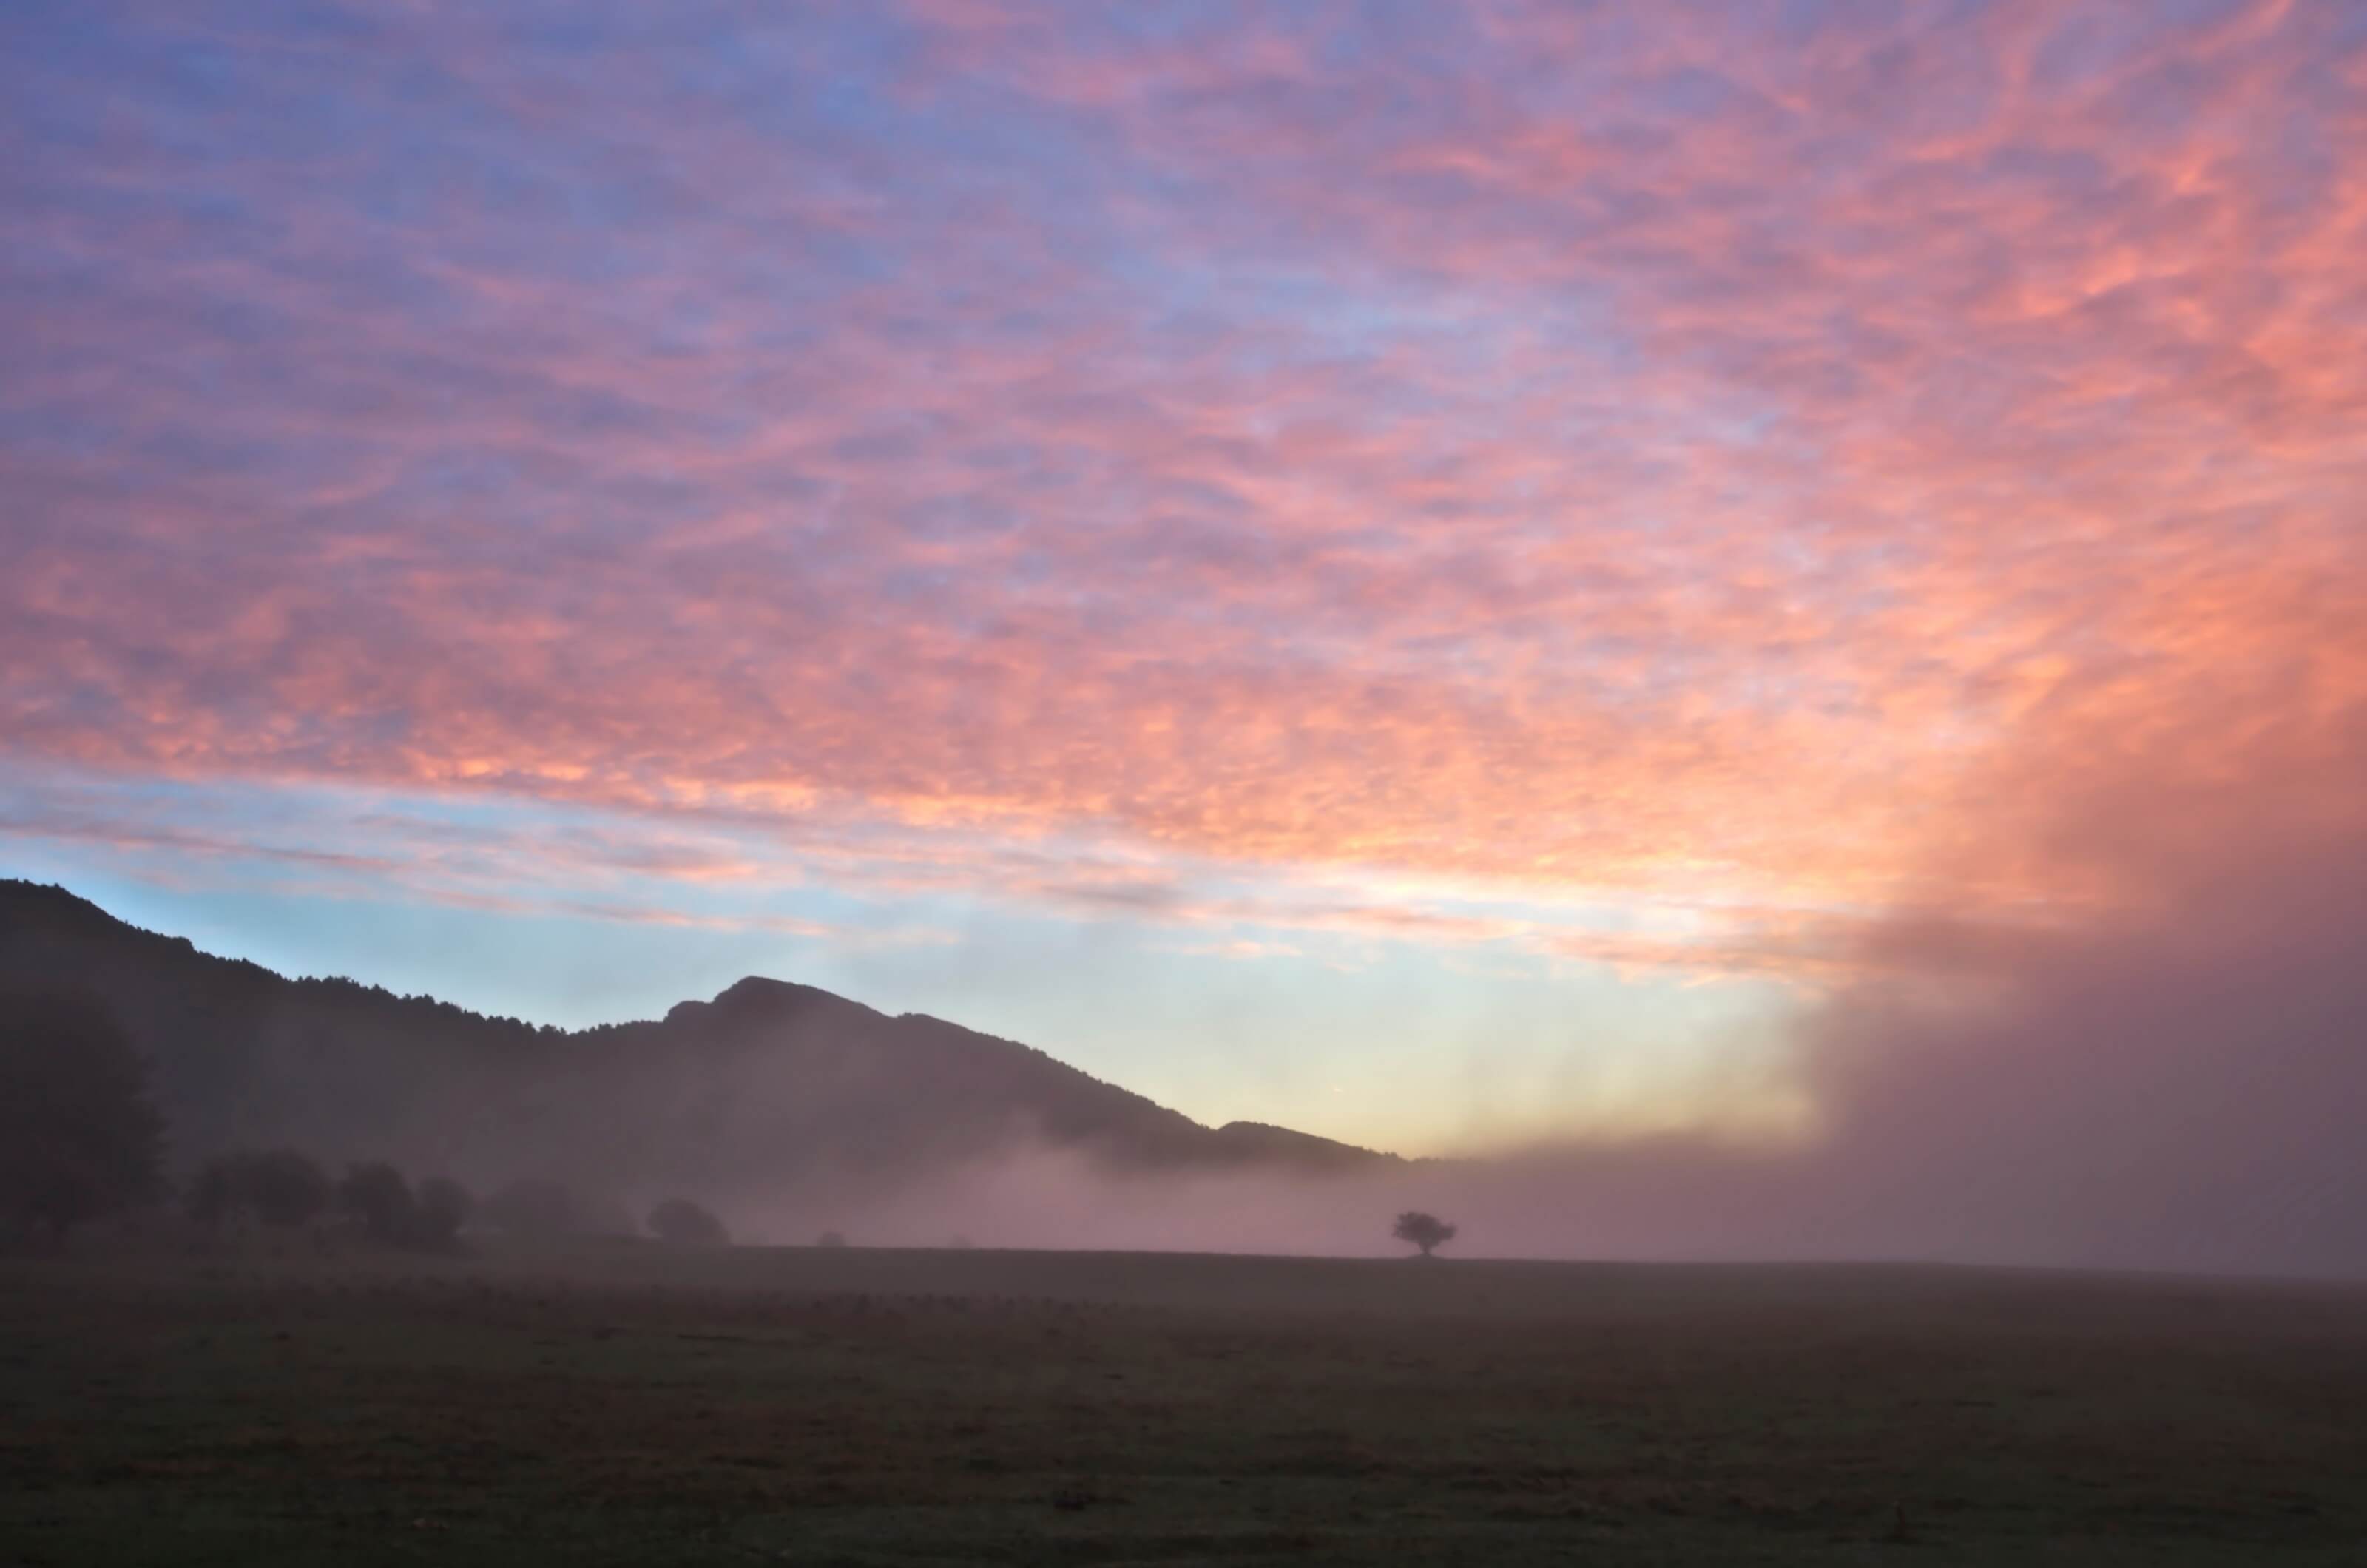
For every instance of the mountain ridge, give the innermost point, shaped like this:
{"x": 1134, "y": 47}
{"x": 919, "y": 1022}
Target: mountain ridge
{"x": 769, "y": 1084}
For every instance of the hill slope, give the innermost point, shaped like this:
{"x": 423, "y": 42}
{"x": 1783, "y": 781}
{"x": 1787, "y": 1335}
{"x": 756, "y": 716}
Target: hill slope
{"x": 765, "y": 1087}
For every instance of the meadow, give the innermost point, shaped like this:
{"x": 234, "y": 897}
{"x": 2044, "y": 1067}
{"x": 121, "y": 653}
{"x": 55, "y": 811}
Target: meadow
{"x": 628, "y": 1404}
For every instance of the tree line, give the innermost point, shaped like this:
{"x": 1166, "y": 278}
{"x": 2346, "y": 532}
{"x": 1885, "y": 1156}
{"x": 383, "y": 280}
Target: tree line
{"x": 81, "y": 1140}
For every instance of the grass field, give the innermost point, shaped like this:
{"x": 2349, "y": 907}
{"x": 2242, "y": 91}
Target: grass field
{"x": 620, "y": 1403}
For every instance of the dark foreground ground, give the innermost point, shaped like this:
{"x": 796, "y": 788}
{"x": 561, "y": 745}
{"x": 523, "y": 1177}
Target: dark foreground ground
{"x": 620, "y": 1405}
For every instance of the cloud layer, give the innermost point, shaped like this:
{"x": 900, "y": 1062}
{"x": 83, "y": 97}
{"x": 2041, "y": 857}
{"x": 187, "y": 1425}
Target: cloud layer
{"x": 1751, "y": 465}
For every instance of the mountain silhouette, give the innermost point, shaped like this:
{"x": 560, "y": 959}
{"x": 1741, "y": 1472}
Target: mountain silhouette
{"x": 766, "y": 1085}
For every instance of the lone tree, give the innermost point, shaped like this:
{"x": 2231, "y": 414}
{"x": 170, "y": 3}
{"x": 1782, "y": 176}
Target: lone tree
{"x": 680, "y": 1221}
{"x": 78, "y": 1137}
{"x": 1427, "y": 1232}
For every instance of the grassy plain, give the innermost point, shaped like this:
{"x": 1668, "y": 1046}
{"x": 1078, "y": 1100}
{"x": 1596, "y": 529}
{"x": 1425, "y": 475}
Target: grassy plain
{"x": 626, "y": 1405}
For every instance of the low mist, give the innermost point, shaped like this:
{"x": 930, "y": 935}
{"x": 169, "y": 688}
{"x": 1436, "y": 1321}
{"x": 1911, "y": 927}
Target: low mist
{"x": 2174, "y": 1077}
{"x": 2170, "y": 1074}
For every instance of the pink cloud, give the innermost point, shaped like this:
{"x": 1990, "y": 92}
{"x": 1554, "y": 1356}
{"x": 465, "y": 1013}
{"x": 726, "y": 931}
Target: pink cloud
{"x": 1645, "y": 455}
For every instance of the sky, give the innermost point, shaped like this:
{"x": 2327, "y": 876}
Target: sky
{"x": 1775, "y": 573}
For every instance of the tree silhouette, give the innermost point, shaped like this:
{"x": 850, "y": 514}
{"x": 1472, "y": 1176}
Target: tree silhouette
{"x": 78, "y": 1137}
{"x": 1427, "y": 1232}
{"x": 377, "y": 1195}
{"x": 680, "y": 1220}
{"x": 281, "y": 1187}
